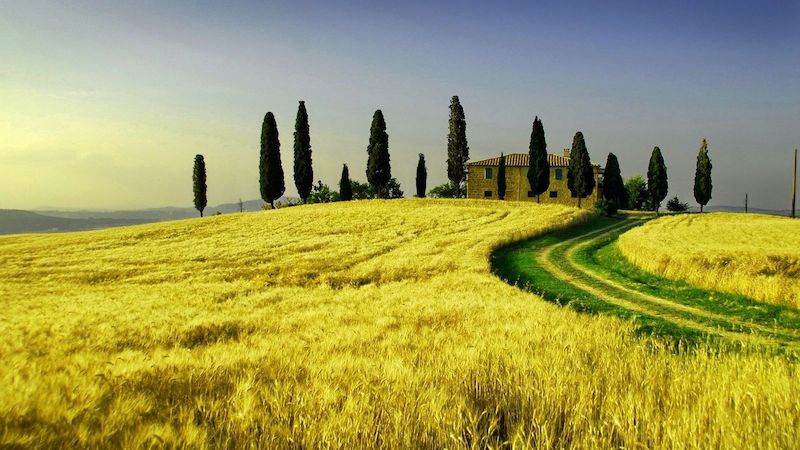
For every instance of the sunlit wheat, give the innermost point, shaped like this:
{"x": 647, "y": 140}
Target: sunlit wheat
{"x": 355, "y": 325}
{"x": 750, "y": 254}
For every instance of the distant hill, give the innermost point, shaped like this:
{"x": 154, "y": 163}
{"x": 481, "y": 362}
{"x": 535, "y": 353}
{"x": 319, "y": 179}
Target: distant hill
{"x": 51, "y": 221}
{"x": 14, "y": 221}
{"x": 740, "y": 209}
{"x": 155, "y": 214}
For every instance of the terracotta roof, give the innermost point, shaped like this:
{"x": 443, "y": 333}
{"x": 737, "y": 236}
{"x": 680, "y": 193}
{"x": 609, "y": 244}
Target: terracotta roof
{"x": 521, "y": 160}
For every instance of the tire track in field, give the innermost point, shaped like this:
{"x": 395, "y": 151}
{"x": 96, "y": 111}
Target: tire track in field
{"x": 779, "y": 332}
{"x": 568, "y": 271}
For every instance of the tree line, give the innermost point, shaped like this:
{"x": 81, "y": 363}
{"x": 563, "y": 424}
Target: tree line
{"x": 632, "y": 194}
{"x": 638, "y": 193}
{"x": 380, "y": 183}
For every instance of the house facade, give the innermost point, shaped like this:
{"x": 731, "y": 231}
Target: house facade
{"x": 482, "y": 180}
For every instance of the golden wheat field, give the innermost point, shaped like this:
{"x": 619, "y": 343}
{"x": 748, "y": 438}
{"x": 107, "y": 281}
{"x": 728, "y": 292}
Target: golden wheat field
{"x": 749, "y": 254}
{"x": 367, "y": 324}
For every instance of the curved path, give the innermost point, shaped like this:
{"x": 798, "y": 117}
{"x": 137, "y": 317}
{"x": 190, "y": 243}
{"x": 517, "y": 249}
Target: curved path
{"x": 564, "y": 270}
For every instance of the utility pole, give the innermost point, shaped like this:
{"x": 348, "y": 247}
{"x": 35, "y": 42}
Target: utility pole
{"x": 745, "y": 202}
{"x": 794, "y": 183}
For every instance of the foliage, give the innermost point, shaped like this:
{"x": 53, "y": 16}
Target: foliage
{"x": 199, "y": 184}
{"x": 303, "y": 172}
{"x": 750, "y": 254}
{"x": 379, "y": 171}
{"x": 363, "y": 191}
{"x": 445, "y": 190}
{"x": 375, "y": 324}
{"x": 270, "y": 171}
{"x": 580, "y": 174}
{"x": 422, "y": 176}
{"x": 345, "y": 187}
{"x": 675, "y": 205}
{"x": 636, "y": 192}
{"x": 539, "y": 166}
{"x": 613, "y": 188}
{"x": 657, "y": 186}
{"x": 702, "y": 176}
{"x": 606, "y": 207}
{"x": 322, "y": 193}
{"x": 457, "y": 147}
{"x": 501, "y": 178}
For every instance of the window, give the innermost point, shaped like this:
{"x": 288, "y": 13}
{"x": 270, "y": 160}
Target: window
{"x": 487, "y": 194}
{"x": 553, "y": 194}
{"x": 559, "y": 174}
{"x": 488, "y": 173}
{"x": 530, "y": 194}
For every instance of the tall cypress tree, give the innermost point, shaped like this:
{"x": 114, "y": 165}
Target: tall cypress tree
{"x": 199, "y": 184}
{"x": 270, "y": 171}
{"x": 422, "y": 176}
{"x": 538, "y": 166}
{"x": 580, "y": 176}
{"x": 345, "y": 187}
{"x": 501, "y": 178}
{"x": 303, "y": 173}
{"x": 379, "y": 171}
{"x": 657, "y": 186}
{"x": 702, "y": 176}
{"x": 613, "y": 187}
{"x": 457, "y": 147}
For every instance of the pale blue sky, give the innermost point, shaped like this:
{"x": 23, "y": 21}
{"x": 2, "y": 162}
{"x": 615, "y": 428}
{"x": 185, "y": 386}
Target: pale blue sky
{"x": 104, "y": 105}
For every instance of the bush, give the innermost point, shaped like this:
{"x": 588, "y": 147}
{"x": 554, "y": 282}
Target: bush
{"x": 363, "y": 191}
{"x": 674, "y": 204}
{"x": 606, "y": 207}
{"x": 322, "y": 193}
{"x": 447, "y": 190}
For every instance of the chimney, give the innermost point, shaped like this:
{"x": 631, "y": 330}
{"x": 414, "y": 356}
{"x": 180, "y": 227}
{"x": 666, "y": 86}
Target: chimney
{"x": 566, "y": 153}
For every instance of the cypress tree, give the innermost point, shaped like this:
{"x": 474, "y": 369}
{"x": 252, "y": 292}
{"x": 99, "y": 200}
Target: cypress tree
{"x": 457, "y": 148}
{"x": 580, "y": 176}
{"x": 270, "y": 171}
{"x": 345, "y": 187}
{"x": 422, "y": 176}
{"x": 379, "y": 171}
{"x": 657, "y": 186}
{"x": 199, "y": 183}
{"x": 702, "y": 176}
{"x": 613, "y": 187}
{"x": 538, "y": 166}
{"x": 501, "y": 178}
{"x": 303, "y": 173}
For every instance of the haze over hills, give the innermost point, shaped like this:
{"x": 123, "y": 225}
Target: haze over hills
{"x": 14, "y": 221}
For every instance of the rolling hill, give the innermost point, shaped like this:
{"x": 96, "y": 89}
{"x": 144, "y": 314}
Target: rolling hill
{"x": 364, "y": 324}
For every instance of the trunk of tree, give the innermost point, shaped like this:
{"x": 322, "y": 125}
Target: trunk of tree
{"x": 579, "y": 202}
{"x": 537, "y": 198}
{"x": 701, "y": 209}
{"x": 272, "y": 204}
{"x": 201, "y": 213}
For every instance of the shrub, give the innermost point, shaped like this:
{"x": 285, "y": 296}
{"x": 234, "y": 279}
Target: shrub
{"x": 675, "y": 205}
{"x": 446, "y": 190}
{"x": 606, "y": 207}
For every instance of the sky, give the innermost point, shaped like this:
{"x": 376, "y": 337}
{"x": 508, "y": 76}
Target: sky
{"x": 103, "y": 105}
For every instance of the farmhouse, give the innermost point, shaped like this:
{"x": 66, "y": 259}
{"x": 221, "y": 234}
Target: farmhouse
{"x": 482, "y": 180}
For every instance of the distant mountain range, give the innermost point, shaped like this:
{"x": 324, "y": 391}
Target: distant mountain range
{"x": 14, "y": 221}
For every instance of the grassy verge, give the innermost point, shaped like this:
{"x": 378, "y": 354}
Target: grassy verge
{"x": 518, "y": 265}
